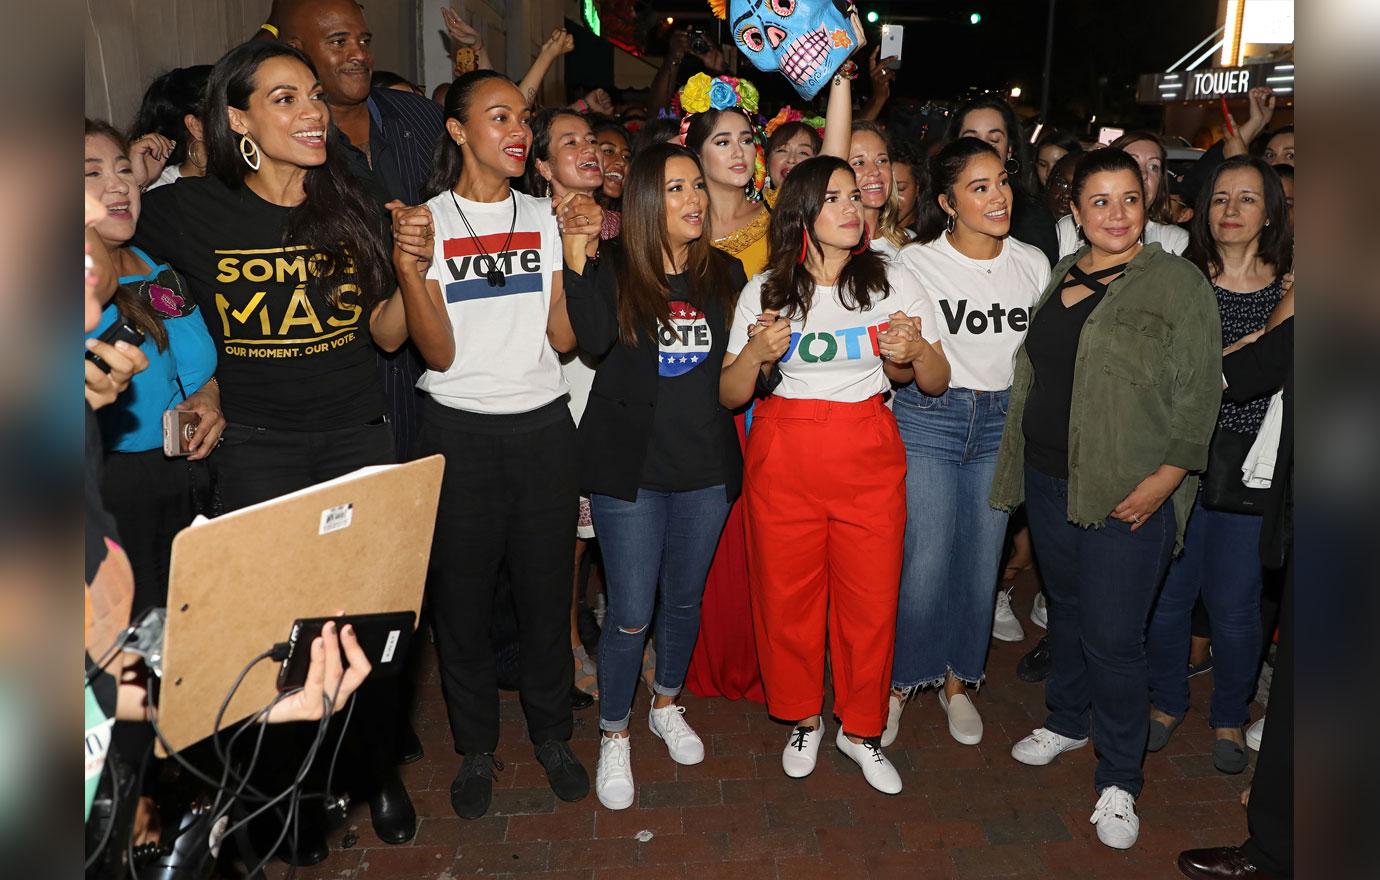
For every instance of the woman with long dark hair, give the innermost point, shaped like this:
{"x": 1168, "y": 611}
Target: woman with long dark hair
{"x": 658, "y": 452}
{"x": 725, "y": 142}
{"x": 1242, "y": 243}
{"x": 983, "y": 284}
{"x": 1112, "y": 402}
{"x": 486, "y": 261}
{"x": 172, "y": 108}
{"x": 991, "y": 119}
{"x": 285, "y": 255}
{"x": 824, "y": 473}
{"x": 1053, "y": 145}
{"x": 1149, "y": 153}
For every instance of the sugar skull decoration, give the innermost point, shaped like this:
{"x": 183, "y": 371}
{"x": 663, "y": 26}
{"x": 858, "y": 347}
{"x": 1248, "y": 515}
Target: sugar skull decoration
{"x": 805, "y": 40}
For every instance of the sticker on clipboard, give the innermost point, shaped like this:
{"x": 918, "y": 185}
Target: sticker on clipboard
{"x": 333, "y": 519}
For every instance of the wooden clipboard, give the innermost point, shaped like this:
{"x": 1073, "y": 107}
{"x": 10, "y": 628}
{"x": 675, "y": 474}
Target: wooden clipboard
{"x": 360, "y": 543}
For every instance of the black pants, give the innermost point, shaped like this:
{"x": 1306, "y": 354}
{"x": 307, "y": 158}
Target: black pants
{"x": 256, "y": 464}
{"x": 1270, "y": 814}
{"x": 152, "y": 498}
{"x": 509, "y": 496}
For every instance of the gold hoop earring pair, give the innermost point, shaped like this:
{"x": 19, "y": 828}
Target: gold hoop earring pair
{"x": 249, "y": 151}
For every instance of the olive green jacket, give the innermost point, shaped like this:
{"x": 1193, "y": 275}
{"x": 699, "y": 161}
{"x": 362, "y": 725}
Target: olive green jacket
{"x": 1147, "y": 386}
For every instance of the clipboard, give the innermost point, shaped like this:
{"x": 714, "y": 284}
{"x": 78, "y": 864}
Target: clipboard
{"x": 360, "y": 543}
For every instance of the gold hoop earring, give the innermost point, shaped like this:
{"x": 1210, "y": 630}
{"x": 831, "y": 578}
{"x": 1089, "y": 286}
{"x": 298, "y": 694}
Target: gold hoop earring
{"x": 249, "y": 151}
{"x": 953, "y": 222}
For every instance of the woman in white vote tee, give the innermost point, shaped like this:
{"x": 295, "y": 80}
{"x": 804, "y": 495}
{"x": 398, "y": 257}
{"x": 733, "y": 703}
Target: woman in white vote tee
{"x": 983, "y": 284}
{"x": 824, "y": 471}
{"x": 489, "y": 261}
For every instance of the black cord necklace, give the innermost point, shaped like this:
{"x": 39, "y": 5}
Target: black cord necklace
{"x": 493, "y": 275}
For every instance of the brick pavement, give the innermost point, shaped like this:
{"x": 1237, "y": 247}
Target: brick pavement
{"x": 966, "y": 811}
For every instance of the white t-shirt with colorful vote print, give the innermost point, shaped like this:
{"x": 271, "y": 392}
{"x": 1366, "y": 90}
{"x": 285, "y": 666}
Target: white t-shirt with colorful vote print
{"x": 503, "y": 360}
{"x": 834, "y": 354}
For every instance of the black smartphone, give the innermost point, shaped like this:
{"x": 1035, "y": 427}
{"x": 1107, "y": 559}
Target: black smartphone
{"x": 383, "y": 638}
{"x": 120, "y": 331}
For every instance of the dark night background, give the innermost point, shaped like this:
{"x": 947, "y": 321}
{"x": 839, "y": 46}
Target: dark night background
{"x": 1100, "y": 47}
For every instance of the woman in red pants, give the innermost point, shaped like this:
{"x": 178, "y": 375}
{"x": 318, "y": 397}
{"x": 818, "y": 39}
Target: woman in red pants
{"x": 824, "y": 477}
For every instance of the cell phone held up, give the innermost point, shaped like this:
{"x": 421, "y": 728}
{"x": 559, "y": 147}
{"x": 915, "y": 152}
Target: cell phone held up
{"x": 120, "y": 331}
{"x": 892, "y": 37}
{"x": 179, "y": 426}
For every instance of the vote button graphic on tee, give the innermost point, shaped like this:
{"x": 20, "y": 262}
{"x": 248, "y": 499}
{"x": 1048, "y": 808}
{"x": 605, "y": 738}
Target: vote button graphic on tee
{"x": 685, "y": 344}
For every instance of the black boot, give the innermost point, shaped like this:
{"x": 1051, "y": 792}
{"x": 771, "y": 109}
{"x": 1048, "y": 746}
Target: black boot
{"x": 390, "y": 808}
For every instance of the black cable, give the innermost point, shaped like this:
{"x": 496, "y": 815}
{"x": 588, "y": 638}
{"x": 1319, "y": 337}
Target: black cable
{"x": 330, "y": 772}
{"x": 292, "y": 791}
{"x": 114, "y": 811}
{"x": 120, "y": 641}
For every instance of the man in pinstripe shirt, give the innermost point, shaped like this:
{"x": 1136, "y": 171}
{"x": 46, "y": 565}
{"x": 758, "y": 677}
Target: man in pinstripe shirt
{"x": 389, "y": 138}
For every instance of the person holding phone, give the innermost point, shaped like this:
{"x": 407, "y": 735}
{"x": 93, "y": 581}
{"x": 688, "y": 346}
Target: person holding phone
{"x": 824, "y": 475}
{"x": 152, "y": 496}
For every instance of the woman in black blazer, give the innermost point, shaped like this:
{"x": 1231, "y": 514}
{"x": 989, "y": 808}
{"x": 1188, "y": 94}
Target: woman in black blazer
{"x": 659, "y": 456}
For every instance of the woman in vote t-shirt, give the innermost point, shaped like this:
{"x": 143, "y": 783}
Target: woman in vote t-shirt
{"x": 824, "y": 473}
{"x": 983, "y": 284}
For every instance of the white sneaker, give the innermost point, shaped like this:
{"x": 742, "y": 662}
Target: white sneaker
{"x": 1039, "y": 612}
{"x": 1115, "y": 818}
{"x": 613, "y": 780}
{"x": 1043, "y": 746}
{"x": 1005, "y": 626}
{"x": 895, "y": 705}
{"x": 877, "y": 770}
{"x": 802, "y": 750}
{"x": 1255, "y": 733}
{"x": 965, "y": 724}
{"x": 668, "y": 723}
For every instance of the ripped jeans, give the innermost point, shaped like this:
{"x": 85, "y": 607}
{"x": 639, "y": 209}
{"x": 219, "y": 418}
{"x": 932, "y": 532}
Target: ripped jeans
{"x": 656, "y": 552}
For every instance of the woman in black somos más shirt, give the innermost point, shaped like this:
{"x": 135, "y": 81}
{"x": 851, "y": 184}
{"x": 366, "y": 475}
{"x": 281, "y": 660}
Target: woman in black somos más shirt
{"x": 659, "y": 453}
{"x": 1242, "y": 242}
{"x": 287, "y": 259}
{"x": 286, "y": 256}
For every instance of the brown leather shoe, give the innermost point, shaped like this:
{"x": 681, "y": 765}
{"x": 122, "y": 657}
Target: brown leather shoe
{"x": 1220, "y": 863}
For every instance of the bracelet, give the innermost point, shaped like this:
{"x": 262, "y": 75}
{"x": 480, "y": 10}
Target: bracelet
{"x": 848, "y": 70}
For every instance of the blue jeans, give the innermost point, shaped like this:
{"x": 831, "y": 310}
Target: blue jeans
{"x": 1100, "y": 583}
{"x": 1220, "y": 562}
{"x": 953, "y": 537}
{"x": 665, "y": 540}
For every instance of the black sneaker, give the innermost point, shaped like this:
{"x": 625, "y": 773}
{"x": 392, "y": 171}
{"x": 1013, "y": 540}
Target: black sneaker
{"x": 473, "y": 788}
{"x": 567, "y": 776}
{"x": 1035, "y": 665}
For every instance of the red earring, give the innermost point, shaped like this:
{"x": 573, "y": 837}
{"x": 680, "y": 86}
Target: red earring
{"x": 865, "y": 242}
{"x": 804, "y": 246}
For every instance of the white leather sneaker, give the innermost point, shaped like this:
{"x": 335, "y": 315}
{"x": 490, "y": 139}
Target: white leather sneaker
{"x": 668, "y": 723}
{"x": 613, "y": 780}
{"x": 965, "y": 724}
{"x": 1039, "y": 611}
{"x": 1043, "y": 746}
{"x": 1255, "y": 733}
{"x": 1005, "y": 626}
{"x": 802, "y": 750}
{"x": 877, "y": 770}
{"x": 1118, "y": 826}
{"x": 895, "y": 705}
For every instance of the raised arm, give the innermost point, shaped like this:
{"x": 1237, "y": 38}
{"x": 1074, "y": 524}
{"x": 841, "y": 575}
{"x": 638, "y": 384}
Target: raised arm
{"x": 559, "y": 43}
{"x": 838, "y": 118}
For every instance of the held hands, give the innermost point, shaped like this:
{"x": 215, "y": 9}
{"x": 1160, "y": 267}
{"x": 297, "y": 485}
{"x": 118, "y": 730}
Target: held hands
{"x": 901, "y": 342}
{"x": 768, "y": 338}
{"x": 148, "y": 155}
{"x": 578, "y": 215}
{"x": 1149, "y": 496}
{"x": 124, "y": 361}
{"x": 206, "y": 404}
{"x": 414, "y": 235}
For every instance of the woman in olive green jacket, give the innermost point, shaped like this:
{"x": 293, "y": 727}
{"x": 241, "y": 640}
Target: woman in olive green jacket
{"x": 1115, "y": 395}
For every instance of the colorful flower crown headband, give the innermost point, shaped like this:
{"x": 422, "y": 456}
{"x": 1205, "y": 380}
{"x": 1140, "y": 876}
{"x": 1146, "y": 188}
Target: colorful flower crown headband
{"x": 788, "y": 115}
{"x": 702, "y": 93}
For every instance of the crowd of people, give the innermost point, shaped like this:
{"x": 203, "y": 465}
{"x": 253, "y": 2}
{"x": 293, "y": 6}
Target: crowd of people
{"x": 815, "y": 388}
